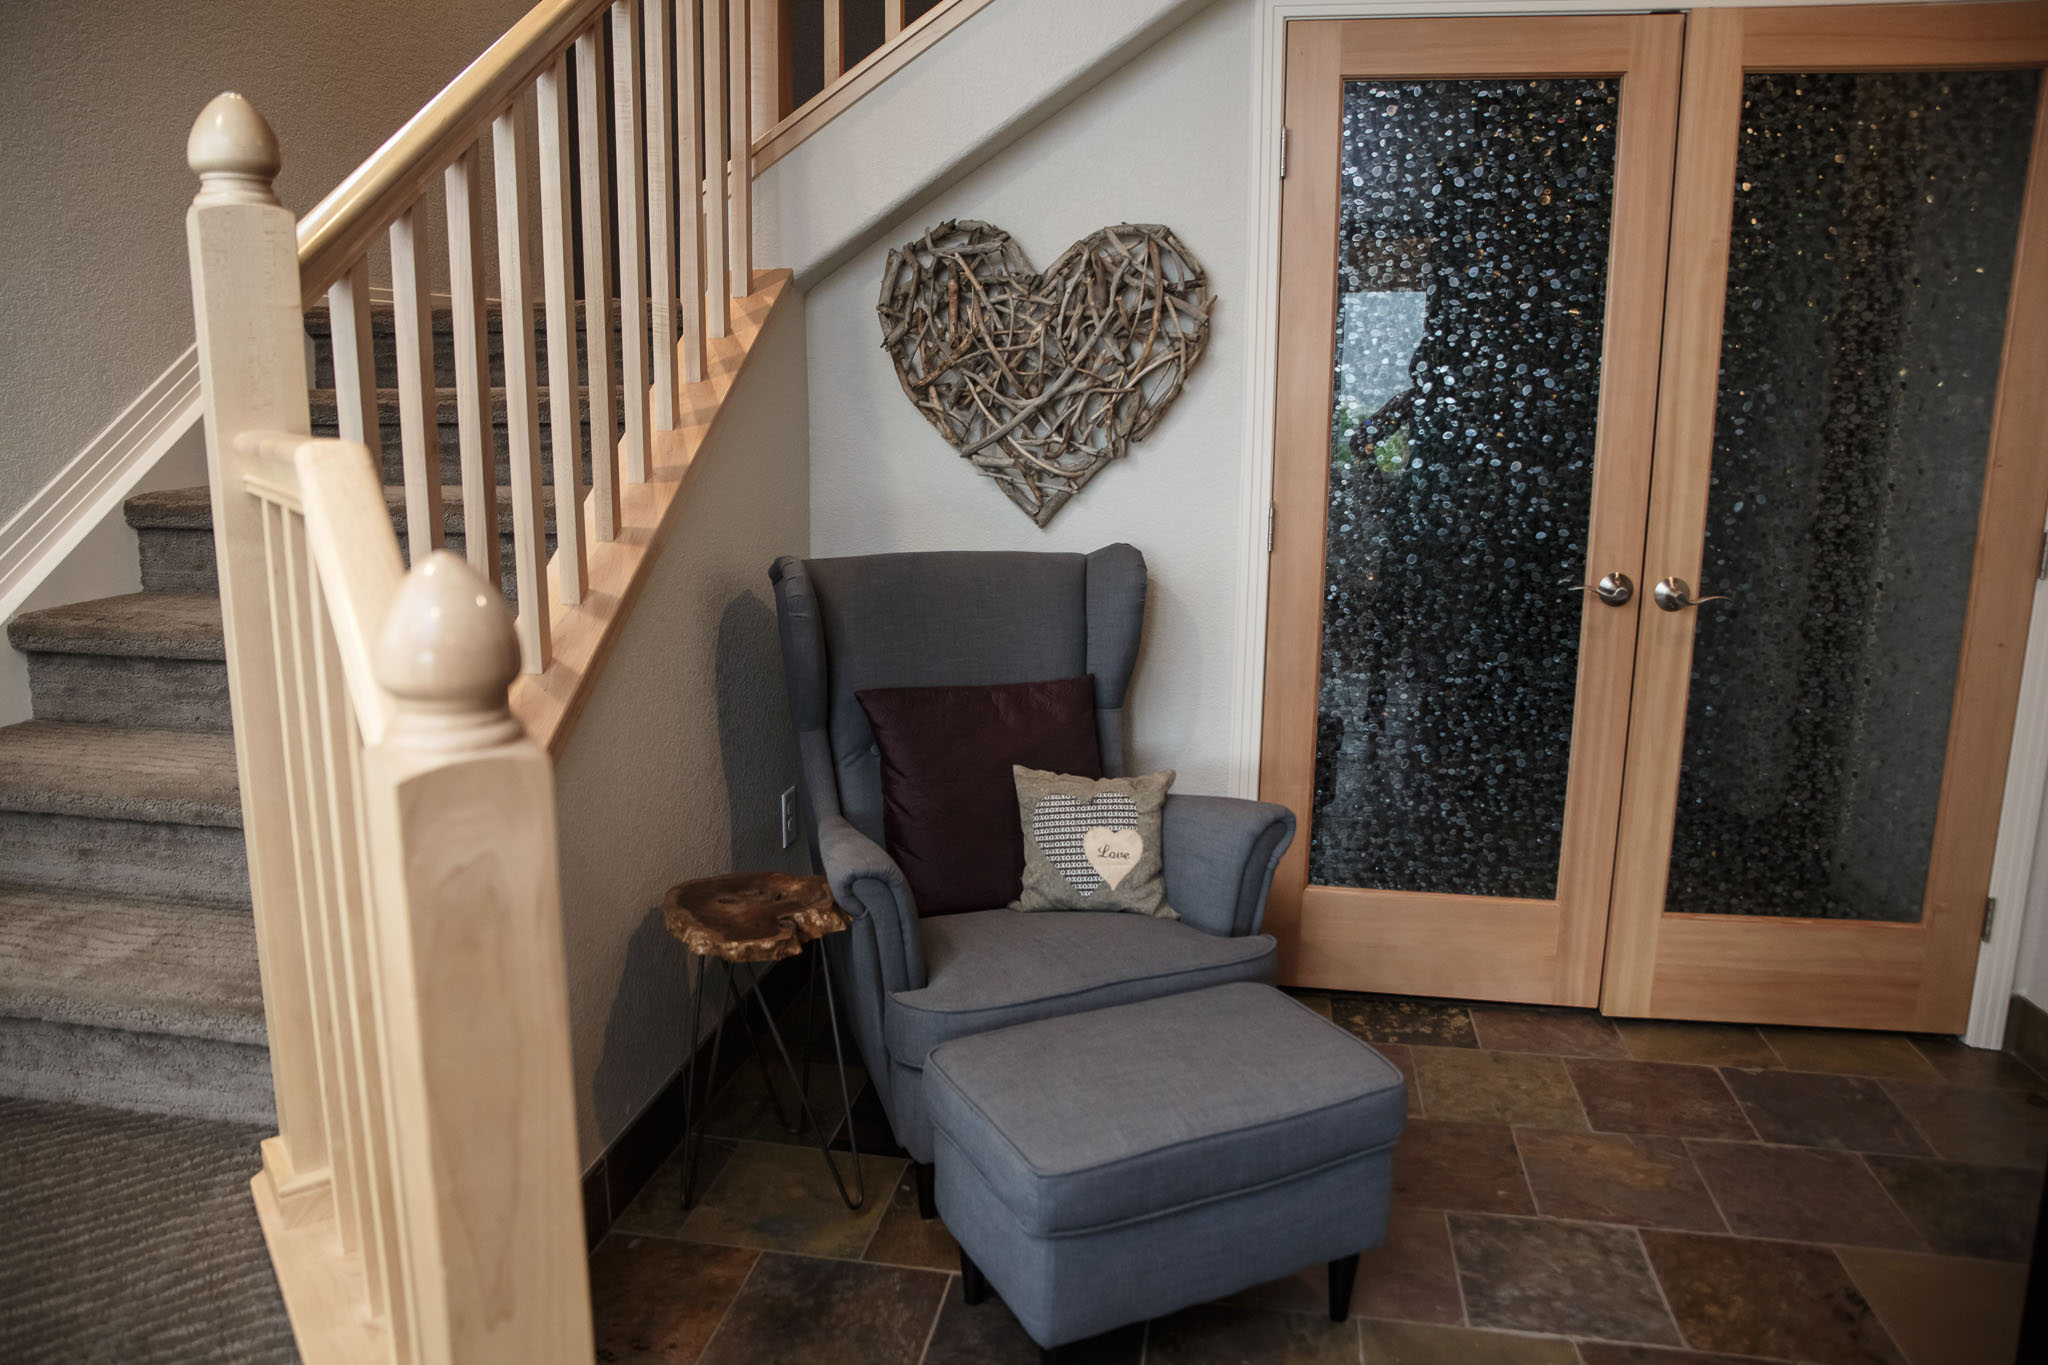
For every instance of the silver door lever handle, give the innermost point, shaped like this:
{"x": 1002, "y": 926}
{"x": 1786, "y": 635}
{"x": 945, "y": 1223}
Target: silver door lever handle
{"x": 1614, "y": 589}
{"x": 1675, "y": 594}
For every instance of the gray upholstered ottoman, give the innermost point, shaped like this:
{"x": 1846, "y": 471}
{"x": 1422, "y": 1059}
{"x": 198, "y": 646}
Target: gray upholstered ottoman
{"x": 1107, "y": 1167}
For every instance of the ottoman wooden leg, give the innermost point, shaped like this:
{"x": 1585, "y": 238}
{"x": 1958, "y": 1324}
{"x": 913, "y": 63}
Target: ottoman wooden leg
{"x": 1343, "y": 1274}
{"x": 973, "y": 1284}
{"x": 927, "y": 1189}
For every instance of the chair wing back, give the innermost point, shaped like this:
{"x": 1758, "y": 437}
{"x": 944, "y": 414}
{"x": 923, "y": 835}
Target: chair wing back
{"x": 947, "y": 619}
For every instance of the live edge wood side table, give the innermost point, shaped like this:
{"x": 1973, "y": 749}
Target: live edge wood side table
{"x": 742, "y": 920}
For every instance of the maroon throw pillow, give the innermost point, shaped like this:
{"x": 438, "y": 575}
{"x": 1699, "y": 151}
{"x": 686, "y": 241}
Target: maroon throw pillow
{"x": 949, "y": 799}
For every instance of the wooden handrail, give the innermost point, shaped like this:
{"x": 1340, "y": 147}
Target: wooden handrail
{"x": 344, "y": 224}
{"x": 843, "y": 90}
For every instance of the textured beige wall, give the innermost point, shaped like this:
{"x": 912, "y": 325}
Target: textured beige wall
{"x": 95, "y": 103}
{"x": 677, "y": 766}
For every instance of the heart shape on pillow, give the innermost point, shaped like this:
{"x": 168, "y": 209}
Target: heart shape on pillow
{"x": 1062, "y": 827}
{"x": 1041, "y": 379}
{"x": 1113, "y": 852}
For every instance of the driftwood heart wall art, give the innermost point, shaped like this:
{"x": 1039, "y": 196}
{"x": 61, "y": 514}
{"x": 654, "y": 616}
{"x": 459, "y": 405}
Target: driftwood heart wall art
{"x": 1041, "y": 379}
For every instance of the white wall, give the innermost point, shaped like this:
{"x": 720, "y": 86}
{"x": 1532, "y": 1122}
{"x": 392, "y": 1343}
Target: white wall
{"x": 676, "y": 768}
{"x": 1162, "y": 140}
{"x": 2031, "y": 978}
{"x": 95, "y": 101}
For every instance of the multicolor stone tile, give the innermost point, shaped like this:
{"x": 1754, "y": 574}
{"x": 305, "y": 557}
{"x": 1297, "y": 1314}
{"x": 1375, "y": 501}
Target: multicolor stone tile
{"x": 799, "y": 1310}
{"x": 781, "y": 1198}
{"x": 1777, "y": 1300}
{"x": 987, "y": 1334}
{"x": 1801, "y": 1194}
{"x": 1555, "y": 1032}
{"x": 1219, "y": 1334}
{"x": 1411, "y": 1343}
{"x": 907, "y": 1238}
{"x": 1964, "y": 1210}
{"x": 1394, "y": 1019}
{"x": 1842, "y": 1053}
{"x": 1941, "y": 1310}
{"x": 1961, "y": 1064}
{"x": 656, "y": 1302}
{"x": 1315, "y": 1000}
{"x": 657, "y": 1211}
{"x": 1496, "y": 1087}
{"x": 1541, "y": 1275}
{"x": 1663, "y": 1040}
{"x": 1466, "y": 1166}
{"x": 1613, "y": 1353}
{"x": 1411, "y": 1276}
{"x": 1403, "y": 1058}
{"x": 1848, "y": 1112}
{"x": 1616, "y": 1178}
{"x": 1966, "y": 1123}
{"x": 1658, "y": 1097}
{"x": 745, "y": 1109}
{"x": 1887, "y": 1221}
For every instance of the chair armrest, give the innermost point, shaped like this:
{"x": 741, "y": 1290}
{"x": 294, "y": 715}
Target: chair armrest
{"x": 869, "y": 885}
{"x": 1220, "y": 853}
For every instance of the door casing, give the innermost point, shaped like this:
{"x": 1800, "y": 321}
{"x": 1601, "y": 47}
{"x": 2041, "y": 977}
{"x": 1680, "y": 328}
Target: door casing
{"x": 1897, "y": 976}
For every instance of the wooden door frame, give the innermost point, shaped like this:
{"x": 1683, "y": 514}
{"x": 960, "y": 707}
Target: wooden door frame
{"x": 2026, "y": 784}
{"x": 1543, "y": 950}
{"x": 1857, "y": 973}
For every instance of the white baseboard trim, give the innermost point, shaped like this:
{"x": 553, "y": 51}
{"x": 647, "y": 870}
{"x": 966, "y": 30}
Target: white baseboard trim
{"x": 38, "y": 537}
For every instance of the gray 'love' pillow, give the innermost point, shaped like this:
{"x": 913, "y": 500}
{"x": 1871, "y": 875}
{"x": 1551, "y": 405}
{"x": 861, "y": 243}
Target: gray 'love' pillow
{"x": 1093, "y": 843}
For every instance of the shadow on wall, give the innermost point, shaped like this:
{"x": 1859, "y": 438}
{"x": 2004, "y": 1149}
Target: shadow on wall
{"x": 757, "y": 761}
{"x": 754, "y": 737}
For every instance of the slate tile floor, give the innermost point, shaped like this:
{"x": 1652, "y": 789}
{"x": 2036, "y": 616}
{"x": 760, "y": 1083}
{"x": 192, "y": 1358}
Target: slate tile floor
{"x": 1570, "y": 1191}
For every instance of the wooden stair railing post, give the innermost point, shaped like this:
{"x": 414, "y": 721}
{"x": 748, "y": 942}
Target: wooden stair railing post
{"x": 461, "y": 812}
{"x": 251, "y": 342}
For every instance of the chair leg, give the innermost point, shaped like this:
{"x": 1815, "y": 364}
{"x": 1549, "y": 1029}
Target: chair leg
{"x": 927, "y": 1190}
{"x": 1343, "y": 1275}
{"x": 1050, "y": 1355}
{"x": 973, "y": 1284}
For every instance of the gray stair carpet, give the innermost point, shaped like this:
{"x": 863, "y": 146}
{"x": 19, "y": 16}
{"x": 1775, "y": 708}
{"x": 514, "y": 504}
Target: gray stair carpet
{"x": 174, "y": 533}
{"x": 134, "y": 1073}
{"x": 146, "y": 659}
{"x": 130, "y": 1239}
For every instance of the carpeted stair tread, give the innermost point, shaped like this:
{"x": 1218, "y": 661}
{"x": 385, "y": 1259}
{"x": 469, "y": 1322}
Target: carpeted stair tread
{"x": 189, "y": 509}
{"x": 150, "y": 625}
{"x": 113, "y": 773}
{"x": 452, "y": 520}
{"x": 145, "y": 966}
{"x": 171, "y": 509}
{"x": 326, "y": 410}
{"x": 132, "y": 1238}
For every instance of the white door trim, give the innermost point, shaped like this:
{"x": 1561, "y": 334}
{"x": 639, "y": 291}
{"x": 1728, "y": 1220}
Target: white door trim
{"x": 2026, "y": 779}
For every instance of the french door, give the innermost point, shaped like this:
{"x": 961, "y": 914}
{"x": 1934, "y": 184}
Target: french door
{"x": 1657, "y": 494}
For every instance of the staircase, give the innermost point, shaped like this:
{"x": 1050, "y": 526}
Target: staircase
{"x": 128, "y": 973}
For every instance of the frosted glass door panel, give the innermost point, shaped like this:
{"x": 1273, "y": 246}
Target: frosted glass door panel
{"x": 1875, "y": 222}
{"x": 1472, "y": 262}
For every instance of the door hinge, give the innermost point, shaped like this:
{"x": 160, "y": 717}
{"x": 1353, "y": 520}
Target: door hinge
{"x": 2041, "y": 569}
{"x": 1269, "y": 528}
{"x": 1990, "y": 914}
{"x": 1283, "y": 153}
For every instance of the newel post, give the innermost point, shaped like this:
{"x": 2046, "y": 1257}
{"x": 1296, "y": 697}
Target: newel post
{"x": 244, "y": 261}
{"x": 462, "y": 827}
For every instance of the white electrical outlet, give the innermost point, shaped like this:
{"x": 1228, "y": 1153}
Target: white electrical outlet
{"x": 788, "y": 817}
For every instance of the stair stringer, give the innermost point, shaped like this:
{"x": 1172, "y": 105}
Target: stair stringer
{"x": 965, "y": 99}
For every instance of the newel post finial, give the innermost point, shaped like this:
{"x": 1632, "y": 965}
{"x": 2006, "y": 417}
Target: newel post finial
{"x": 233, "y": 151}
{"x": 446, "y": 653}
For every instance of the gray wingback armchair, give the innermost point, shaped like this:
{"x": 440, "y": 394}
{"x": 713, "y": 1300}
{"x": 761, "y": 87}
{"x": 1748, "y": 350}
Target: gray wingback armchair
{"x": 970, "y": 618}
